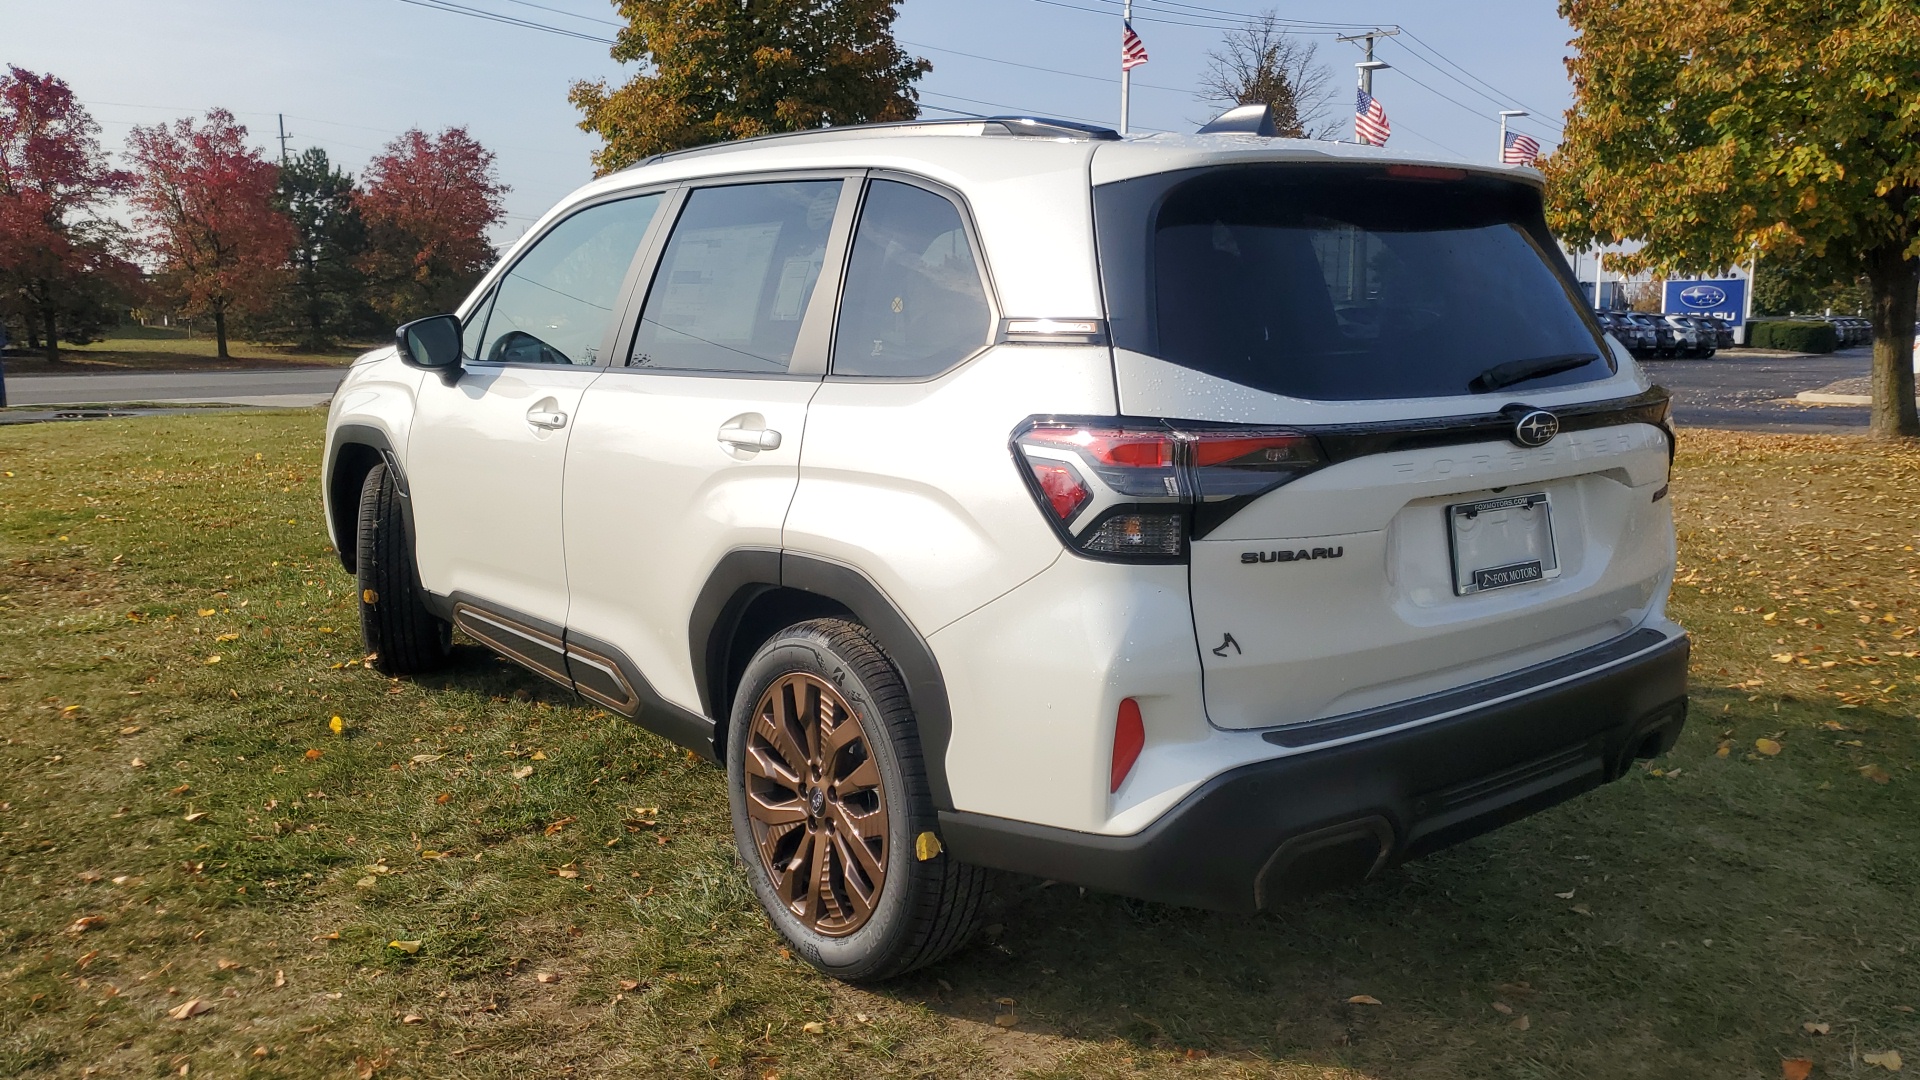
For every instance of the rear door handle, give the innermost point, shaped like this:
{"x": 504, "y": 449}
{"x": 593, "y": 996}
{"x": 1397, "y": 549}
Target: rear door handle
{"x": 542, "y": 418}
{"x": 746, "y": 438}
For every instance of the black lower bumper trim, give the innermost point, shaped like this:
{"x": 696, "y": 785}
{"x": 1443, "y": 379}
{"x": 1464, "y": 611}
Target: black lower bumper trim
{"x": 1325, "y": 818}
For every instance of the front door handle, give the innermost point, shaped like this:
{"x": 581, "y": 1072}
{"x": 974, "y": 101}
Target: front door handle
{"x": 545, "y": 418}
{"x": 746, "y": 438}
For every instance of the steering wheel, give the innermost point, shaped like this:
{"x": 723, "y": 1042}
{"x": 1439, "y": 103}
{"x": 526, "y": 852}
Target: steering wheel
{"x": 520, "y": 347}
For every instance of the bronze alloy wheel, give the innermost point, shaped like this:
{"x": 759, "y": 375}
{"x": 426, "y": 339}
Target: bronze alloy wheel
{"x": 815, "y": 804}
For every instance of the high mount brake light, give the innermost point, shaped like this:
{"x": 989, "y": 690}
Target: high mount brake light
{"x": 1146, "y": 488}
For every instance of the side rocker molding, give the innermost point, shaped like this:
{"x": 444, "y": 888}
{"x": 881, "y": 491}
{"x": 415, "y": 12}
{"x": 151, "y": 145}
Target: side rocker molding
{"x": 744, "y": 575}
{"x": 591, "y": 668}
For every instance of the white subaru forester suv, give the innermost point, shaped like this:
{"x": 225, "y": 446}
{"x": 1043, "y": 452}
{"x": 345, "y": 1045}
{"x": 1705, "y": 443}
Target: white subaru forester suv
{"x": 1205, "y": 518}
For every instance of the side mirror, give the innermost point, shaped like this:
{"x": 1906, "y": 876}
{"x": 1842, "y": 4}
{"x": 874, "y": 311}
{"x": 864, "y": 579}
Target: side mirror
{"x": 432, "y": 343}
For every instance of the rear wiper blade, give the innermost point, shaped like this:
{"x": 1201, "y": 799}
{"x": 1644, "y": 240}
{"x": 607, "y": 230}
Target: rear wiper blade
{"x": 1519, "y": 371}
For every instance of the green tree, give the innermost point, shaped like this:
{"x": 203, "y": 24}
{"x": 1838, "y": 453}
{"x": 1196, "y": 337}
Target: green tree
{"x": 324, "y": 298}
{"x": 729, "y": 69}
{"x": 1709, "y": 130}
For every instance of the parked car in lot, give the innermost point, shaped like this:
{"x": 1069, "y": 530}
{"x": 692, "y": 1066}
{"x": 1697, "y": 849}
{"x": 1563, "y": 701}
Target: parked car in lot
{"x": 1656, "y": 331}
{"x": 1690, "y": 337}
{"x": 1200, "y": 518}
{"x": 1722, "y": 331}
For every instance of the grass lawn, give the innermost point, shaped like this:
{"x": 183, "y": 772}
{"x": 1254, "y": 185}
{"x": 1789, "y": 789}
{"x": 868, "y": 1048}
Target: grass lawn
{"x": 478, "y": 876}
{"x": 160, "y": 348}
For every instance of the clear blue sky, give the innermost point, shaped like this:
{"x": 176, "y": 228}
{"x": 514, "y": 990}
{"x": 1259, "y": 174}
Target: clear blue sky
{"x": 351, "y": 74}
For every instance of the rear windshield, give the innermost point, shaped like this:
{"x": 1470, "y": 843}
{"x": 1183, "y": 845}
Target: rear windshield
{"x": 1344, "y": 283}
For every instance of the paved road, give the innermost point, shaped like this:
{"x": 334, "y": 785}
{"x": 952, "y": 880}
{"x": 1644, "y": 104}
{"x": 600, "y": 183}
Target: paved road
{"x": 1755, "y": 393}
{"x": 279, "y": 388}
{"x": 1730, "y": 390}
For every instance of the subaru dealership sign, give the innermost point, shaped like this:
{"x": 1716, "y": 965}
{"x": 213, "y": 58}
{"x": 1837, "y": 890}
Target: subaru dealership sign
{"x": 1725, "y": 298}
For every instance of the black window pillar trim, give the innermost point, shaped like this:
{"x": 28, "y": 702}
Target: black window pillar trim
{"x": 744, "y": 574}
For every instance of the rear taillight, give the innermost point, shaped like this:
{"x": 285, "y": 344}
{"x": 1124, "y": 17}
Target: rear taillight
{"x": 1139, "y": 491}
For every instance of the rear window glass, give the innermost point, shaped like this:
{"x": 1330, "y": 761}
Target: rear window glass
{"x": 1343, "y": 283}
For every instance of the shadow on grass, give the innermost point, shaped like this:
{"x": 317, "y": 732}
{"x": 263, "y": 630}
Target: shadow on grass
{"x": 1705, "y": 911}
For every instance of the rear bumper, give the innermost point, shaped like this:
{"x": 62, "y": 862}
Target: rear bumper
{"x": 1249, "y": 838}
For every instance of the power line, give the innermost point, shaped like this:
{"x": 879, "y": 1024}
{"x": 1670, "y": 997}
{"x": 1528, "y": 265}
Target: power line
{"x": 569, "y": 14}
{"x": 1036, "y": 67}
{"x": 1503, "y": 103}
{"x": 1504, "y": 96}
{"x": 508, "y": 20}
{"x": 1171, "y": 22}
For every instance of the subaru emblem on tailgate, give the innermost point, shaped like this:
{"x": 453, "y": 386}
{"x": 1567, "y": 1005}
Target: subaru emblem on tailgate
{"x": 1536, "y": 428}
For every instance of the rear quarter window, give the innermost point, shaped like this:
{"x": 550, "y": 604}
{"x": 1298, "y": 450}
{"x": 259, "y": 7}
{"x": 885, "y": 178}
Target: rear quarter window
{"x": 1344, "y": 283}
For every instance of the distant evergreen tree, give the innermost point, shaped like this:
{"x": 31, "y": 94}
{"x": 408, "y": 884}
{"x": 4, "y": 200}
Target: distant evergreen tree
{"x": 325, "y": 296}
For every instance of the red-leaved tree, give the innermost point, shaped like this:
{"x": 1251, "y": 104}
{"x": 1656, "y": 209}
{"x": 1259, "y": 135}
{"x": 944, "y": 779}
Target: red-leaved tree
{"x": 205, "y": 201}
{"x": 428, "y": 201}
{"x": 59, "y": 264}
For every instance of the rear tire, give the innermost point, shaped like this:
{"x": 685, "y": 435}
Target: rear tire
{"x": 830, "y": 819}
{"x": 404, "y": 637}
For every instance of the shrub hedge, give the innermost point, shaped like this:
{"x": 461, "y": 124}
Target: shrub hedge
{"x": 1809, "y": 337}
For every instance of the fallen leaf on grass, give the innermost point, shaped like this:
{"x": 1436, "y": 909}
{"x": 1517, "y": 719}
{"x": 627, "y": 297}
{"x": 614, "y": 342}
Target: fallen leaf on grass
{"x": 336, "y": 725}
{"x": 86, "y": 923}
{"x": 1796, "y": 1069}
{"x": 538, "y": 755}
{"x": 1583, "y": 910}
{"x": 130, "y": 729}
{"x": 225, "y": 964}
{"x": 1725, "y": 748}
{"x": 412, "y": 1018}
{"x": 1503, "y": 1008}
{"x": 314, "y": 755}
{"x": 194, "y": 815}
{"x": 523, "y": 772}
{"x": 1521, "y": 1023}
{"x": 137, "y": 764}
{"x": 814, "y": 1027}
{"x": 367, "y": 882}
{"x": 190, "y": 1008}
{"x": 1889, "y": 1061}
{"x": 1813, "y": 1028}
{"x": 547, "y": 977}
{"x": 1876, "y": 774}
{"x": 426, "y": 759}
{"x": 181, "y": 790}
{"x": 228, "y": 637}
{"x": 408, "y": 947}
{"x": 206, "y": 612}
{"x": 1568, "y": 895}
{"x": 279, "y": 979}
{"x": 629, "y": 984}
{"x": 1363, "y": 999}
{"x": 1768, "y": 747}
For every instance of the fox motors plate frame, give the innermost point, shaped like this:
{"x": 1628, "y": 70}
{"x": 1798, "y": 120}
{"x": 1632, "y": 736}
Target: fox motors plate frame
{"x": 1503, "y": 542}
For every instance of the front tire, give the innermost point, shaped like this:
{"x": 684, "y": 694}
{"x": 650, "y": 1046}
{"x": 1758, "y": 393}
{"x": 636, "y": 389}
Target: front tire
{"x": 831, "y": 809}
{"x": 404, "y": 637}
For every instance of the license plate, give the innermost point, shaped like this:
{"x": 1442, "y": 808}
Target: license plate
{"x": 1498, "y": 543}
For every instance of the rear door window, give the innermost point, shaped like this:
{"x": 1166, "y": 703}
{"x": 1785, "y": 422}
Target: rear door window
{"x": 1344, "y": 283}
{"x": 734, "y": 282}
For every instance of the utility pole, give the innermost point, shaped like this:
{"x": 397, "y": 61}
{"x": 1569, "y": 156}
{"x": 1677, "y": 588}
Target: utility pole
{"x": 1126, "y": 72}
{"x": 1369, "y": 65}
{"x": 1505, "y": 115}
{"x": 283, "y": 140}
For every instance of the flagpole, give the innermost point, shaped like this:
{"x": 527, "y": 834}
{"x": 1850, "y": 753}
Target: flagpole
{"x": 1126, "y": 72}
{"x": 1501, "y": 156}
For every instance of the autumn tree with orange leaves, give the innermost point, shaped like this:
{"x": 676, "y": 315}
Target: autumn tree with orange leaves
{"x": 1709, "y": 129}
{"x": 205, "y": 201}
{"x": 428, "y": 201}
{"x": 723, "y": 69}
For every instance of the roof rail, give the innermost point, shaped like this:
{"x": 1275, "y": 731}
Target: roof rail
{"x": 1032, "y": 127}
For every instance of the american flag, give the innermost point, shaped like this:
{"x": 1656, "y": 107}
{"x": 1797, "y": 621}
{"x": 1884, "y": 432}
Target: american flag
{"x": 1370, "y": 120}
{"x": 1520, "y": 149}
{"x": 1133, "y": 51}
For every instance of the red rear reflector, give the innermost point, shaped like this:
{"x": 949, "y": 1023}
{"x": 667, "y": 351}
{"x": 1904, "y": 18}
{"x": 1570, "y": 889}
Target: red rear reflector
{"x": 1129, "y": 737}
{"x": 1426, "y": 172}
{"x": 1062, "y": 487}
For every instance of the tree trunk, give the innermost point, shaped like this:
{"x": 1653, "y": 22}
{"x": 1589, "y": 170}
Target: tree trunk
{"x": 220, "y": 331}
{"x": 1892, "y": 276}
{"x": 52, "y": 335}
